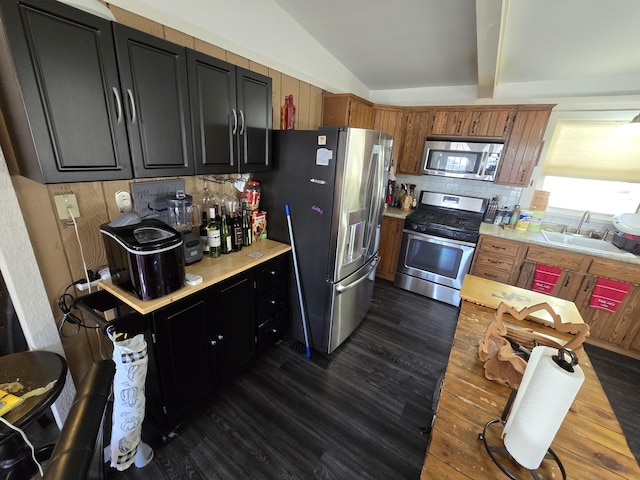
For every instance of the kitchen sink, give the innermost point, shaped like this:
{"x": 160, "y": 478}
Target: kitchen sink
{"x": 581, "y": 242}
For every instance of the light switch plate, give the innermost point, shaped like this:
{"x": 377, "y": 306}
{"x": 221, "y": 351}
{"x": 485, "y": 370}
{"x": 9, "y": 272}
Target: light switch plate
{"x": 65, "y": 205}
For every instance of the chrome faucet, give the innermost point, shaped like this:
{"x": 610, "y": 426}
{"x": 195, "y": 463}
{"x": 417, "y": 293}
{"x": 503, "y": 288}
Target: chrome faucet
{"x": 586, "y": 216}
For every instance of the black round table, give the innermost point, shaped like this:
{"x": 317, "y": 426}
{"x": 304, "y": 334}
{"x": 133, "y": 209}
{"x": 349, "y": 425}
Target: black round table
{"x": 33, "y": 369}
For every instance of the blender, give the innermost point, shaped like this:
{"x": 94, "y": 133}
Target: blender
{"x": 181, "y": 218}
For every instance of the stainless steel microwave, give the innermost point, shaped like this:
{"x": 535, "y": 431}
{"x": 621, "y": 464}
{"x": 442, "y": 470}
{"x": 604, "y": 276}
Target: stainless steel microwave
{"x": 462, "y": 159}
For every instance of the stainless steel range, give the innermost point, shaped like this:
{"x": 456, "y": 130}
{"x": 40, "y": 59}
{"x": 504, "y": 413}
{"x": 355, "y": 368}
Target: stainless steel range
{"x": 438, "y": 242}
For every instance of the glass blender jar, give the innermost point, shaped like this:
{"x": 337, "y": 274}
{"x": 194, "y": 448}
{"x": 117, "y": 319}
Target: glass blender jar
{"x": 181, "y": 218}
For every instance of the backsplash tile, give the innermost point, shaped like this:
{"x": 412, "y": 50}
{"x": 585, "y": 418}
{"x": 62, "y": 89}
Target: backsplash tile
{"x": 507, "y": 194}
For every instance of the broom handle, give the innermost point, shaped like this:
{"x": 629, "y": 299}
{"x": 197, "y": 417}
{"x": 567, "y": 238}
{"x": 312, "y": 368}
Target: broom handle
{"x": 297, "y": 272}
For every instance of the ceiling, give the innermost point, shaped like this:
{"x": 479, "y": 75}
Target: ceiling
{"x": 497, "y": 49}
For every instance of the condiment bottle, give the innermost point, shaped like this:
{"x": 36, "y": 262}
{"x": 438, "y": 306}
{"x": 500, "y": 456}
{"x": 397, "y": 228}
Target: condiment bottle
{"x": 514, "y": 217}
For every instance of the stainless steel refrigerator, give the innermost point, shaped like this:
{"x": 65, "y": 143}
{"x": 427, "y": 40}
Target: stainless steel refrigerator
{"x": 334, "y": 181}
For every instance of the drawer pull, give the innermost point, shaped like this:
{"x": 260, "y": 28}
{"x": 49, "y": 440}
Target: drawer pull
{"x": 490, "y": 275}
{"x": 495, "y": 262}
{"x": 498, "y": 247}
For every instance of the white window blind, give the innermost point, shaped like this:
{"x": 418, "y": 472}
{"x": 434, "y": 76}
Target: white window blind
{"x": 594, "y": 149}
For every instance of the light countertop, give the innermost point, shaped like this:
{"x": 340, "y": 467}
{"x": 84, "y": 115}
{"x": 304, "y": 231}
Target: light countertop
{"x": 212, "y": 271}
{"x": 396, "y": 212}
{"x": 536, "y": 238}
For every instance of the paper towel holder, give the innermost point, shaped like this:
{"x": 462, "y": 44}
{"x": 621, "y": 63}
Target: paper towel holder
{"x": 495, "y": 450}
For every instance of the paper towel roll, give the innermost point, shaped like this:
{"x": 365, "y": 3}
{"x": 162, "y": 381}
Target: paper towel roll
{"x": 543, "y": 400}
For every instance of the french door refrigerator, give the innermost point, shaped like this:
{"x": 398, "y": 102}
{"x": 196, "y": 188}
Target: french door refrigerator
{"x": 334, "y": 181}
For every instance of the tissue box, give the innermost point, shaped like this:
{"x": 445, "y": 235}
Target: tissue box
{"x": 259, "y": 225}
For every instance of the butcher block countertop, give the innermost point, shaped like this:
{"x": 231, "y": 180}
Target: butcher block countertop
{"x": 212, "y": 271}
{"x": 590, "y": 442}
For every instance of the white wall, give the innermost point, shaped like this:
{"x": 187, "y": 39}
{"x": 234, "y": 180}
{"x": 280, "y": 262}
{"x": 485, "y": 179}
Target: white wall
{"x": 24, "y": 283}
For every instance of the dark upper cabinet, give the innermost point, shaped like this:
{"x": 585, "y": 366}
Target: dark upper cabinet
{"x": 60, "y": 95}
{"x": 153, "y": 77}
{"x": 231, "y": 116}
{"x": 86, "y": 99}
{"x": 253, "y": 100}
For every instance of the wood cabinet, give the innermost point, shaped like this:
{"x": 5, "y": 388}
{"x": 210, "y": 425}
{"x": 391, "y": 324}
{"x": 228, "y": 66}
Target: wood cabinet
{"x": 450, "y": 123}
{"x": 231, "y": 112}
{"x": 514, "y": 263}
{"x": 622, "y": 327}
{"x": 155, "y": 99}
{"x": 522, "y": 150}
{"x": 390, "y": 241}
{"x": 491, "y": 123}
{"x": 60, "y": 93}
{"x": 346, "y": 110}
{"x": 498, "y": 259}
{"x": 417, "y": 125}
{"x": 573, "y": 266}
{"x": 486, "y": 122}
{"x": 391, "y": 120}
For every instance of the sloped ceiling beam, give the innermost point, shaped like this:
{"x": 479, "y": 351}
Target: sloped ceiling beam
{"x": 489, "y": 32}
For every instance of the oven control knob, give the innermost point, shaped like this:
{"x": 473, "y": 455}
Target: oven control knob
{"x": 422, "y": 228}
{"x": 413, "y": 226}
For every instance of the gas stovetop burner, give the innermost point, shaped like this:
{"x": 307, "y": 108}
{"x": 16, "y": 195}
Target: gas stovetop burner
{"x": 447, "y": 216}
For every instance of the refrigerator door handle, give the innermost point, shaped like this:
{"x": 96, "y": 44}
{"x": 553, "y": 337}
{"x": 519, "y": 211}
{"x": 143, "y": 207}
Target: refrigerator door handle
{"x": 343, "y": 288}
{"x": 374, "y": 211}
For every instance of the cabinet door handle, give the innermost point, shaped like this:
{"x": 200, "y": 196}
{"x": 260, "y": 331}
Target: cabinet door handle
{"x": 220, "y": 337}
{"x": 118, "y": 103}
{"x": 133, "y": 106}
{"x": 273, "y": 302}
{"x": 587, "y": 286}
{"x": 242, "y": 122}
{"x": 566, "y": 283}
{"x": 235, "y": 121}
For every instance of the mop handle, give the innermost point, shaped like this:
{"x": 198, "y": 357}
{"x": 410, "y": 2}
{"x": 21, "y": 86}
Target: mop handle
{"x": 295, "y": 268}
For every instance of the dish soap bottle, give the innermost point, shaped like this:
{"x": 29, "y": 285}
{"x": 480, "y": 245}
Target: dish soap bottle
{"x": 514, "y": 217}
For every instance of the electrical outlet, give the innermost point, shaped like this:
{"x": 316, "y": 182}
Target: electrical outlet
{"x": 67, "y": 206}
{"x": 123, "y": 200}
{"x": 83, "y": 285}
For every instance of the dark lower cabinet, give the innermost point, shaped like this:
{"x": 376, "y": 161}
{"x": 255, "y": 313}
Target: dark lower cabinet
{"x": 184, "y": 373}
{"x": 272, "y": 300}
{"x": 231, "y": 324}
{"x": 202, "y": 341}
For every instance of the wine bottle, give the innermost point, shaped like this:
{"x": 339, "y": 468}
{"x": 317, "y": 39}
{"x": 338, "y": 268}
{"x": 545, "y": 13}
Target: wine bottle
{"x": 246, "y": 226}
{"x": 203, "y": 234}
{"x": 225, "y": 232}
{"x": 236, "y": 232}
{"x": 213, "y": 234}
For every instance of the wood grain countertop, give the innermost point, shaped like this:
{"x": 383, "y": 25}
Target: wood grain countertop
{"x": 212, "y": 271}
{"x": 590, "y": 442}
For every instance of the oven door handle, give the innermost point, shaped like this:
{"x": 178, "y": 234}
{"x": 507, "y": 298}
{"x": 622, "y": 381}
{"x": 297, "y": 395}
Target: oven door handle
{"x": 427, "y": 236}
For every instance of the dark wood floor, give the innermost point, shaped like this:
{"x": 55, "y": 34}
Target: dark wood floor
{"x": 359, "y": 416}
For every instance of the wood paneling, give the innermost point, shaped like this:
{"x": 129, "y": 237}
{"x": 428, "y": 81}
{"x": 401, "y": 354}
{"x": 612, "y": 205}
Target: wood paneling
{"x": 179, "y": 38}
{"x": 209, "y": 49}
{"x": 136, "y": 21}
{"x": 315, "y": 107}
{"x": 237, "y": 60}
{"x": 277, "y": 96}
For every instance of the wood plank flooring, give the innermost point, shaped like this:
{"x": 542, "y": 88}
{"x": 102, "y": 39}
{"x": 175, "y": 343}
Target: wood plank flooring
{"x": 289, "y": 418}
{"x": 356, "y": 417}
